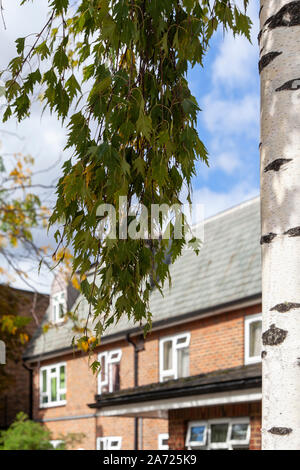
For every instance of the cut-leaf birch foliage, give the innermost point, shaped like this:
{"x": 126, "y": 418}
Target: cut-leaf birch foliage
{"x": 115, "y": 73}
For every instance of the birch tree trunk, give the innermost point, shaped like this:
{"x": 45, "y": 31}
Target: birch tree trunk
{"x": 279, "y": 68}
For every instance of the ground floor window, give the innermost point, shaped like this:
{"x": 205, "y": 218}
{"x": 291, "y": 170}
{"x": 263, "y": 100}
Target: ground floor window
{"x": 57, "y": 443}
{"x": 230, "y": 434}
{"x": 163, "y": 441}
{"x": 109, "y": 443}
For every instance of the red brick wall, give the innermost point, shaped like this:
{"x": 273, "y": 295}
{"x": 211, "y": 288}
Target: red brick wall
{"x": 216, "y": 343}
{"x": 178, "y": 421}
{"x": 16, "y": 398}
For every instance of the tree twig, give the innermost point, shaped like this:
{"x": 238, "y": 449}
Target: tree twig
{"x": 2, "y": 15}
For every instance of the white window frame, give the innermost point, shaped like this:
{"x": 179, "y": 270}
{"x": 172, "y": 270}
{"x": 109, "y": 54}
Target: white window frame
{"x": 230, "y": 444}
{"x": 174, "y": 371}
{"x": 56, "y": 442}
{"x": 192, "y": 424}
{"x": 107, "y": 442}
{"x": 161, "y": 438}
{"x": 56, "y": 300}
{"x": 248, "y": 320}
{"x": 60, "y": 391}
{"x": 108, "y": 361}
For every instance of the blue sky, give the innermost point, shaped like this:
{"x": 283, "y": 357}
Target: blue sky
{"x": 227, "y": 90}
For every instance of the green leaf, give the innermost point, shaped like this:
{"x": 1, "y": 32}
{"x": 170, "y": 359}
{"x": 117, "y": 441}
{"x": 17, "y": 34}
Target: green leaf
{"x": 144, "y": 123}
{"x": 20, "y": 42}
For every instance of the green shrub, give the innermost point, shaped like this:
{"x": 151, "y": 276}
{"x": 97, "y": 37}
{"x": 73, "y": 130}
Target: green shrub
{"x": 24, "y": 434}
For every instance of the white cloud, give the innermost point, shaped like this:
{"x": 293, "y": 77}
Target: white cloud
{"x": 231, "y": 116}
{"x": 236, "y": 63}
{"x": 215, "y": 202}
{"x": 227, "y": 162}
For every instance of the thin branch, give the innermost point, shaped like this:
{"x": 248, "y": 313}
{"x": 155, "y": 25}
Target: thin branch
{"x": 2, "y": 15}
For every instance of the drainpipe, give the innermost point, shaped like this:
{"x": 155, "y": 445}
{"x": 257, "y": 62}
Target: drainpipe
{"x": 138, "y": 345}
{"x": 30, "y": 389}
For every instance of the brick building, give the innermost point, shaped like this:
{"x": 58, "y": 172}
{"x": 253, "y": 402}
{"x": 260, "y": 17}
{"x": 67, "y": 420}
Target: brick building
{"x": 17, "y": 396}
{"x": 195, "y": 382}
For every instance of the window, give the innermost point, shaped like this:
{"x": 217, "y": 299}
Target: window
{"x": 53, "y": 385}
{"x": 225, "y": 434}
{"x": 109, "y": 443}
{"x": 163, "y": 441}
{"x": 57, "y": 444}
{"x": 109, "y": 375}
{"x": 253, "y": 332}
{"x": 174, "y": 357}
{"x": 58, "y": 307}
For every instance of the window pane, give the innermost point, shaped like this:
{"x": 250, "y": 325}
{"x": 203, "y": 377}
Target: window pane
{"x": 114, "y": 357}
{"x": 197, "y": 434}
{"x": 218, "y": 432}
{"x": 181, "y": 340}
{"x": 114, "y": 443}
{"x": 45, "y": 399}
{"x": 103, "y": 378}
{"x": 62, "y": 396}
{"x": 53, "y": 389}
{"x": 255, "y": 338}
{"x": 62, "y": 377}
{"x": 183, "y": 362}
{"x": 115, "y": 376}
{"x": 101, "y": 444}
{"x": 239, "y": 431}
{"x": 168, "y": 377}
{"x": 44, "y": 379}
{"x": 167, "y": 355}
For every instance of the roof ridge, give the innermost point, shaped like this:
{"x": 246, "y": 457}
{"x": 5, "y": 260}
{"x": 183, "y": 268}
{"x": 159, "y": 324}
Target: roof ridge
{"x": 232, "y": 209}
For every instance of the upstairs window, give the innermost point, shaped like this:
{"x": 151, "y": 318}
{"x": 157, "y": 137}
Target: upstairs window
{"x": 109, "y": 443}
{"x": 109, "y": 375}
{"x": 53, "y": 386}
{"x": 233, "y": 434}
{"x": 58, "y": 307}
{"x": 174, "y": 357}
{"x": 253, "y": 342}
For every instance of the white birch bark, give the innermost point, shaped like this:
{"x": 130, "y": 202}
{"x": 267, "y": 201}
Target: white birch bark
{"x": 279, "y": 65}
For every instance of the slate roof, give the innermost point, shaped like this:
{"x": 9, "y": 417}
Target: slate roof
{"x": 235, "y": 378}
{"x": 227, "y": 270}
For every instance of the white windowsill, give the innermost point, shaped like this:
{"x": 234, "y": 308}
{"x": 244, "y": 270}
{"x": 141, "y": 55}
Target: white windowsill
{"x": 53, "y": 404}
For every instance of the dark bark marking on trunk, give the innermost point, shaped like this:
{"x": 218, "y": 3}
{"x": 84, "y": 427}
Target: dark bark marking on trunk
{"x": 260, "y": 145}
{"x": 260, "y": 10}
{"x": 259, "y": 36}
{"x": 298, "y": 361}
{"x": 277, "y": 164}
{"x": 267, "y": 59}
{"x": 267, "y": 239}
{"x": 274, "y": 336}
{"x": 288, "y": 15}
{"x": 292, "y": 85}
{"x": 285, "y": 307}
{"x": 293, "y": 232}
{"x": 280, "y": 431}
{"x": 263, "y": 354}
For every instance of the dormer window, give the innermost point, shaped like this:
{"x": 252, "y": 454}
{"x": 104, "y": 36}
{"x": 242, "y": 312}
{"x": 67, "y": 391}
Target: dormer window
{"x": 58, "y": 307}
